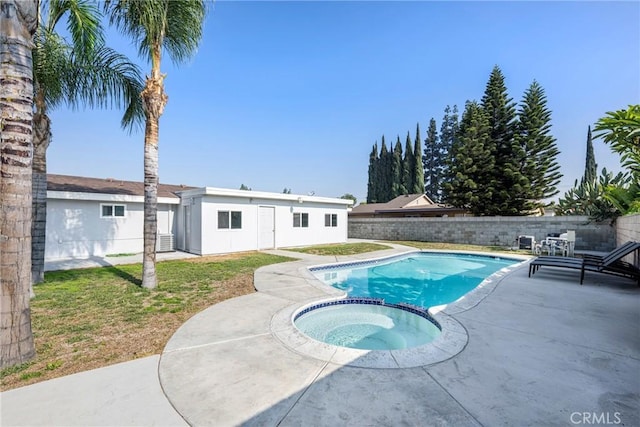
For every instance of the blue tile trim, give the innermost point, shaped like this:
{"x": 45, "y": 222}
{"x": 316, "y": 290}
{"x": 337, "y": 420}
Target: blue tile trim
{"x": 414, "y": 309}
{"x": 403, "y": 256}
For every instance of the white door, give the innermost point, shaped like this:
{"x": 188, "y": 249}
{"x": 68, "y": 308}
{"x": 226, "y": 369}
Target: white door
{"x": 187, "y": 228}
{"x": 266, "y": 227}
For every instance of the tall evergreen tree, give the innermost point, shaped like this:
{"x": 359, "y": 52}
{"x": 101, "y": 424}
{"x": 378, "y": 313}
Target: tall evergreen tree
{"x": 500, "y": 110}
{"x": 384, "y": 173}
{"x": 407, "y": 165}
{"x": 448, "y": 136}
{"x": 590, "y": 167}
{"x": 418, "y": 170}
{"x": 397, "y": 187}
{"x": 372, "y": 183}
{"x": 432, "y": 162}
{"x": 540, "y": 166}
{"x": 470, "y": 164}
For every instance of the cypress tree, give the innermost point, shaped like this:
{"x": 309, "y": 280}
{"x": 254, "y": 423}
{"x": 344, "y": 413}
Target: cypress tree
{"x": 471, "y": 163}
{"x": 397, "y": 187}
{"x": 500, "y": 110}
{"x": 590, "y": 167}
{"x": 418, "y": 171}
{"x": 384, "y": 173}
{"x": 408, "y": 165}
{"x": 540, "y": 166}
{"x": 372, "y": 187}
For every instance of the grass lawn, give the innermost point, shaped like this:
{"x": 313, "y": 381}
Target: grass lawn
{"x": 460, "y": 247}
{"x": 89, "y": 318}
{"x": 341, "y": 249}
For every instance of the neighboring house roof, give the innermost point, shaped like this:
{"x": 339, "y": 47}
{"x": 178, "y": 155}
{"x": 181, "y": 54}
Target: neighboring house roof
{"x": 79, "y": 184}
{"x": 408, "y": 204}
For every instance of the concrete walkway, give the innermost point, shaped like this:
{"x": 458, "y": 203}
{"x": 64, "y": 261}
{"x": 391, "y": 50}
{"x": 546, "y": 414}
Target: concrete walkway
{"x": 539, "y": 351}
{"x": 126, "y": 394}
{"x": 94, "y": 261}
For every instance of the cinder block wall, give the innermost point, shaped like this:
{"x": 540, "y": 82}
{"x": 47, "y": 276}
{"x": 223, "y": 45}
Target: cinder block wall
{"x": 628, "y": 228}
{"x": 500, "y": 231}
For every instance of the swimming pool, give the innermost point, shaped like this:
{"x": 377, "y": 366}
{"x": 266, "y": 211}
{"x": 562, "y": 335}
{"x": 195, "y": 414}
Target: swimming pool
{"x": 424, "y": 279}
{"x": 477, "y": 276}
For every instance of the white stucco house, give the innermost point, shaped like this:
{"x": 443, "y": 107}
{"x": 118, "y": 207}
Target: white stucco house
{"x": 97, "y": 217}
{"x": 217, "y": 220}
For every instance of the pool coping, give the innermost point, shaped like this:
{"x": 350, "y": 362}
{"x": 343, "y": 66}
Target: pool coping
{"x": 451, "y": 341}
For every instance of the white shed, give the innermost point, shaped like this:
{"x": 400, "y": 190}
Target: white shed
{"x": 97, "y": 217}
{"x": 217, "y": 220}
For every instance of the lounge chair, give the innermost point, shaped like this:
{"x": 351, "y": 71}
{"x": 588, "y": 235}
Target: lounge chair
{"x": 595, "y": 256}
{"x": 610, "y": 263}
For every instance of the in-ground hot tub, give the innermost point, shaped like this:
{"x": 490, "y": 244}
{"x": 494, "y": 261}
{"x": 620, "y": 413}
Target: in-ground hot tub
{"x": 367, "y": 324}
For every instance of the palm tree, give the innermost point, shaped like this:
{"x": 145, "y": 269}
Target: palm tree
{"x": 156, "y": 25}
{"x": 621, "y": 130}
{"x": 80, "y": 72}
{"x": 18, "y": 20}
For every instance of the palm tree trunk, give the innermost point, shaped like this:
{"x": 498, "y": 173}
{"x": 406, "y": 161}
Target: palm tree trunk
{"x": 41, "y": 140}
{"x": 154, "y": 100}
{"x": 18, "y": 20}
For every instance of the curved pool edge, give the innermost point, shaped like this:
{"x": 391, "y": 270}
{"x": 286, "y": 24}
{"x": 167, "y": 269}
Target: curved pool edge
{"x": 448, "y": 344}
{"x": 464, "y": 303}
{"x": 480, "y": 292}
{"x": 451, "y": 341}
{"x": 404, "y": 253}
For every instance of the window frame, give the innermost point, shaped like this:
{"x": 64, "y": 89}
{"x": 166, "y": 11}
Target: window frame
{"x": 235, "y": 223}
{"x": 330, "y": 220}
{"x": 113, "y": 207}
{"x": 233, "y": 220}
{"x": 303, "y": 220}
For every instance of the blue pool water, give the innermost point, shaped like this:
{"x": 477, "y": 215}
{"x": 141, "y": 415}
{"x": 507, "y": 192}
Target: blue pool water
{"x": 423, "y": 279}
{"x": 366, "y": 326}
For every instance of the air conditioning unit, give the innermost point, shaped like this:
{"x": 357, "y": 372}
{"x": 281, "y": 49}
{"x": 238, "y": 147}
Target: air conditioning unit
{"x": 164, "y": 243}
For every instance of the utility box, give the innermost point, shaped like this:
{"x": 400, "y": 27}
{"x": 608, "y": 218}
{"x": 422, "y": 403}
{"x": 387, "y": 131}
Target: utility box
{"x": 164, "y": 243}
{"x": 526, "y": 242}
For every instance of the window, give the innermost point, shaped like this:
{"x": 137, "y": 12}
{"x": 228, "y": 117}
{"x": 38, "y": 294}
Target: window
{"x": 330, "y": 220}
{"x": 301, "y": 220}
{"x": 229, "y": 219}
{"x": 236, "y": 219}
{"x": 110, "y": 211}
{"x": 223, "y": 219}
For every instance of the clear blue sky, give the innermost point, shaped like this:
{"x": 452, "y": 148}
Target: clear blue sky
{"x": 294, "y": 94}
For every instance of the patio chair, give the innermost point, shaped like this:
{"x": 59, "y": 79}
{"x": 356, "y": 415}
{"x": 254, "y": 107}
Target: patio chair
{"x": 559, "y": 242}
{"x": 571, "y": 242}
{"x": 595, "y": 256}
{"x": 611, "y": 263}
{"x": 619, "y": 252}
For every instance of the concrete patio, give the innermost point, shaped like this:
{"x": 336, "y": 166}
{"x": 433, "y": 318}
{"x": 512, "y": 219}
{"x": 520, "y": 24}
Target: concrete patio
{"x": 539, "y": 351}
